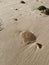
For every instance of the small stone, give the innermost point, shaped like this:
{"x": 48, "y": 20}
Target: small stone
{"x": 16, "y": 9}
{"x": 39, "y": 45}
{"x": 15, "y": 19}
{"x": 41, "y": 8}
{"x": 22, "y": 2}
{"x": 28, "y": 37}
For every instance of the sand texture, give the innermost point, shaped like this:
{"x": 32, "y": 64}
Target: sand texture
{"x": 17, "y": 16}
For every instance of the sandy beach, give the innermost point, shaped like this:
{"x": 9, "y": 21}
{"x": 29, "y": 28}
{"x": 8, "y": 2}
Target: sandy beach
{"x": 16, "y": 17}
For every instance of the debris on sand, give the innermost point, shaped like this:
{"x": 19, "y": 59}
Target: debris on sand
{"x": 16, "y": 9}
{"x": 41, "y": 8}
{"x": 28, "y": 37}
{"x": 23, "y": 2}
{"x": 39, "y": 45}
{"x": 46, "y": 11}
{"x": 16, "y": 19}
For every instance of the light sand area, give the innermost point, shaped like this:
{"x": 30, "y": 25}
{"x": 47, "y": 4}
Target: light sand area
{"x": 12, "y": 50}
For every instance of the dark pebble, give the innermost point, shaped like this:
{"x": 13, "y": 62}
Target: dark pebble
{"x": 41, "y": 8}
{"x": 15, "y": 19}
{"x": 16, "y": 9}
{"x": 22, "y": 2}
{"x": 39, "y": 45}
{"x": 46, "y": 12}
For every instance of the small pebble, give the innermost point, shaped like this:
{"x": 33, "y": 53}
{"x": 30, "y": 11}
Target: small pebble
{"x": 16, "y": 9}
{"x": 22, "y": 2}
{"x": 39, "y": 45}
{"x": 28, "y": 37}
{"x": 15, "y": 19}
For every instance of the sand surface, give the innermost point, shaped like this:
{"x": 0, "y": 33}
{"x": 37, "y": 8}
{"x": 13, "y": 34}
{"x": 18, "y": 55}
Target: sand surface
{"x": 12, "y": 50}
